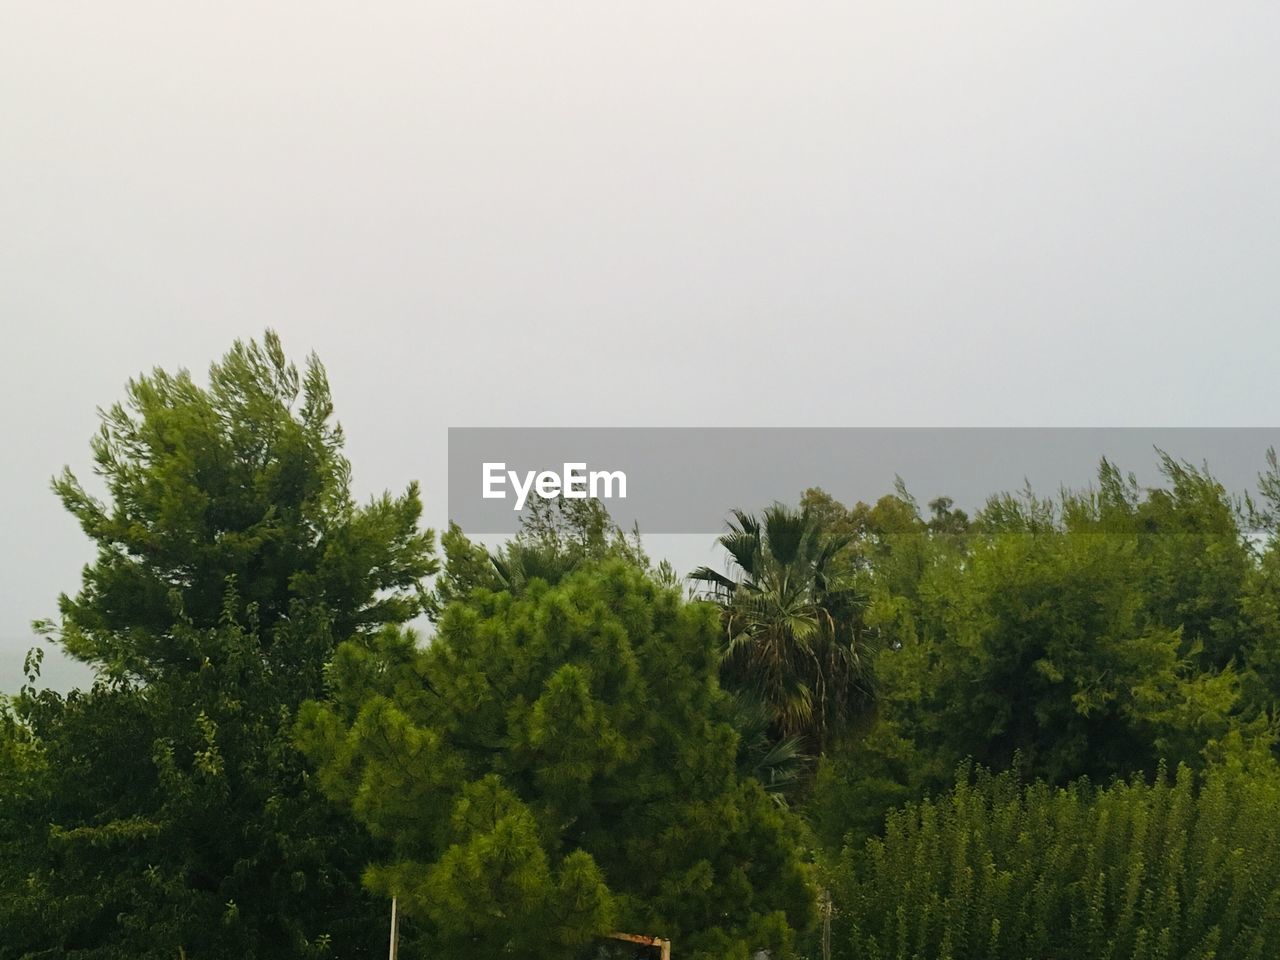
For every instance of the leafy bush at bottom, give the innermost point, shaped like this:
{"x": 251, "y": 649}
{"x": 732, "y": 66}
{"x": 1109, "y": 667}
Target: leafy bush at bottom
{"x": 1177, "y": 869}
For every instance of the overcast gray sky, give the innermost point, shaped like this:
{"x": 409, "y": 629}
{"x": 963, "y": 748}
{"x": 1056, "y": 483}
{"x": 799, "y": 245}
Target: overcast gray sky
{"x": 717, "y": 213}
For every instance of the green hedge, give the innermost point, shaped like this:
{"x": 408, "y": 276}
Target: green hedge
{"x": 1178, "y": 869}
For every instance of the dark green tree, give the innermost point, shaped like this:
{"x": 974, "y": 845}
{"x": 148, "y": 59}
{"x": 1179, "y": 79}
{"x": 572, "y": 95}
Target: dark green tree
{"x": 165, "y": 810}
{"x": 1091, "y": 635}
{"x": 557, "y": 764}
{"x": 794, "y": 634}
{"x": 1261, "y": 601}
{"x": 1041, "y": 647}
{"x": 1194, "y": 560}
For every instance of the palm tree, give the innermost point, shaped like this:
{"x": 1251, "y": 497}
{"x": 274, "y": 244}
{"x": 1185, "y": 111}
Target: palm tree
{"x": 778, "y": 764}
{"x": 794, "y": 631}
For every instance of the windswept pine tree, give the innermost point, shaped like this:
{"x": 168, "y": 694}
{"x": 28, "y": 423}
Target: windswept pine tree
{"x": 166, "y": 810}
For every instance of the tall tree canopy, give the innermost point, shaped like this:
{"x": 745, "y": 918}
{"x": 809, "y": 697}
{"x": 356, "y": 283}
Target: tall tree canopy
{"x": 557, "y": 764}
{"x": 1090, "y": 635}
{"x": 165, "y": 809}
{"x": 239, "y": 483}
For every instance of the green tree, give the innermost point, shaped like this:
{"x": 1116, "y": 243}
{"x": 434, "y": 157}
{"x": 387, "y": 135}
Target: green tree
{"x": 556, "y": 764}
{"x": 1260, "y": 604}
{"x": 1045, "y": 650}
{"x": 240, "y": 482}
{"x": 1092, "y": 635}
{"x": 166, "y": 809}
{"x": 555, "y": 538}
{"x": 794, "y": 635}
{"x": 1195, "y": 561}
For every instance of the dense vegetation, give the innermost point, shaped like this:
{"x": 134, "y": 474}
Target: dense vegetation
{"x": 1046, "y": 729}
{"x": 1136, "y": 870}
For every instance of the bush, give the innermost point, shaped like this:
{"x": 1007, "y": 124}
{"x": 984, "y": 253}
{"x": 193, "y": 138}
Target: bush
{"x": 994, "y": 869}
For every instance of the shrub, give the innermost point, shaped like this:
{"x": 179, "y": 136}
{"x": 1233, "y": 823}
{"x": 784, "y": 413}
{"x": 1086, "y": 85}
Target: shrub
{"x": 994, "y": 869}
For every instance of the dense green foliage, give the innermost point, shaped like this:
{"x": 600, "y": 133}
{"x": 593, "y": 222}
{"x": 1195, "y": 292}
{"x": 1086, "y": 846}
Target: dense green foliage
{"x": 268, "y": 751}
{"x": 558, "y": 764}
{"x": 1092, "y": 636}
{"x": 1135, "y": 871}
{"x": 166, "y": 809}
{"x": 556, "y": 537}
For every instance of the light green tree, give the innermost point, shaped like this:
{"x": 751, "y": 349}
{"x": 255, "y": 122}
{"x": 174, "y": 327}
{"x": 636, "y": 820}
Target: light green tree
{"x": 557, "y": 764}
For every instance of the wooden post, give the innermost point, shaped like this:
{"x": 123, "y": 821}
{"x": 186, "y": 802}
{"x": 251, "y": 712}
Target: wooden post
{"x": 395, "y": 931}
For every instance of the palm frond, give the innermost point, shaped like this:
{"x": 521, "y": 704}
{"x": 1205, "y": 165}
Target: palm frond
{"x": 717, "y": 580}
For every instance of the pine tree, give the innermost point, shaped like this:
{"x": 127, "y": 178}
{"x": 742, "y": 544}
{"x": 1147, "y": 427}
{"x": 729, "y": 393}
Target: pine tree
{"x": 557, "y": 764}
{"x": 166, "y": 809}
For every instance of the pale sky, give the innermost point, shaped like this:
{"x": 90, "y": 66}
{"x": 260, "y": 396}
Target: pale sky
{"x": 587, "y": 213}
